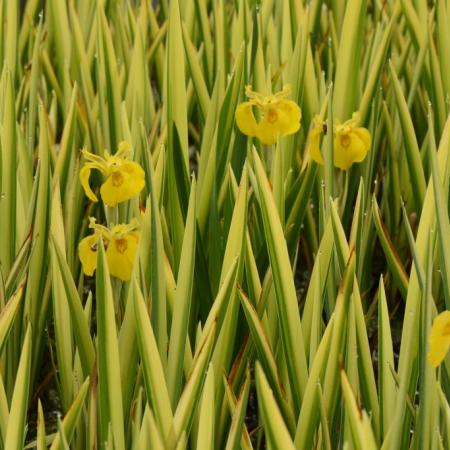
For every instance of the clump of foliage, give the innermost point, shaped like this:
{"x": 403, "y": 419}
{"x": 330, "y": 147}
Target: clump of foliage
{"x": 258, "y": 258}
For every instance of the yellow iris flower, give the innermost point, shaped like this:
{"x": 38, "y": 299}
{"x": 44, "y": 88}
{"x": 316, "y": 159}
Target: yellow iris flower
{"x": 124, "y": 179}
{"x": 120, "y": 242}
{"x": 439, "y": 339}
{"x": 280, "y": 117}
{"x": 351, "y": 143}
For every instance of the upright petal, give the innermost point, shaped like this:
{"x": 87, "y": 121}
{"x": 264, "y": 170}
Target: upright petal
{"x": 85, "y": 173}
{"x": 245, "y": 119}
{"x": 123, "y": 149}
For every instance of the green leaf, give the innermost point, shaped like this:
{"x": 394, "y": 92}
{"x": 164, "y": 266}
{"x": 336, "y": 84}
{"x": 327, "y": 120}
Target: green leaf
{"x": 390, "y": 252}
{"x": 111, "y": 404}
{"x": 8, "y": 315}
{"x": 376, "y": 67}
{"x": 10, "y": 36}
{"x": 386, "y": 382}
{"x": 277, "y": 434}
{"x": 109, "y": 88}
{"x": 182, "y": 305}
{"x": 428, "y": 414}
{"x": 80, "y": 324}
{"x": 153, "y": 372}
{"x": 61, "y": 310}
{"x": 441, "y": 205}
{"x": 150, "y": 437}
{"x": 59, "y": 25}
{"x": 8, "y": 166}
{"x": 205, "y": 435}
{"x": 128, "y": 352}
{"x": 233, "y": 252}
{"x": 409, "y": 345}
{"x": 362, "y": 433}
{"x": 289, "y": 318}
{"x": 67, "y": 141}
{"x": 442, "y": 18}
{"x": 326, "y": 362}
{"x": 198, "y": 79}
{"x": 41, "y": 438}
{"x": 412, "y": 153}
{"x": 4, "y": 411}
{"x": 175, "y": 86}
{"x": 191, "y": 394}
{"x": 348, "y": 59}
{"x": 238, "y": 412}
{"x": 15, "y": 433}
{"x": 69, "y": 423}
{"x": 267, "y": 360}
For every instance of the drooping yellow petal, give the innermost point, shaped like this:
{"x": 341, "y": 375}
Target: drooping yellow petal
{"x": 121, "y": 254}
{"x": 280, "y": 118}
{"x": 439, "y": 339}
{"x": 124, "y": 182}
{"x": 438, "y": 351}
{"x": 85, "y": 173}
{"x": 289, "y": 115}
{"x": 364, "y": 136}
{"x": 87, "y": 251}
{"x": 313, "y": 144}
{"x": 268, "y": 128}
{"x": 245, "y": 119}
{"x": 350, "y": 146}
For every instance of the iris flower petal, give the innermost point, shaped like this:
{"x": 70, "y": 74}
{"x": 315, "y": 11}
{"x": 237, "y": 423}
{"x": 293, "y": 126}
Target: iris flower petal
{"x": 343, "y": 154}
{"x": 313, "y": 144}
{"x": 267, "y": 132}
{"x": 245, "y": 119}
{"x": 350, "y": 147}
{"x": 85, "y": 174}
{"x": 350, "y": 144}
{"x": 121, "y": 254}
{"x": 124, "y": 179}
{"x": 121, "y": 242}
{"x": 123, "y": 183}
{"x": 87, "y": 250}
{"x": 280, "y": 117}
{"x": 364, "y": 135}
{"x": 289, "y": 117}
{"x": 439, "y": 339}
